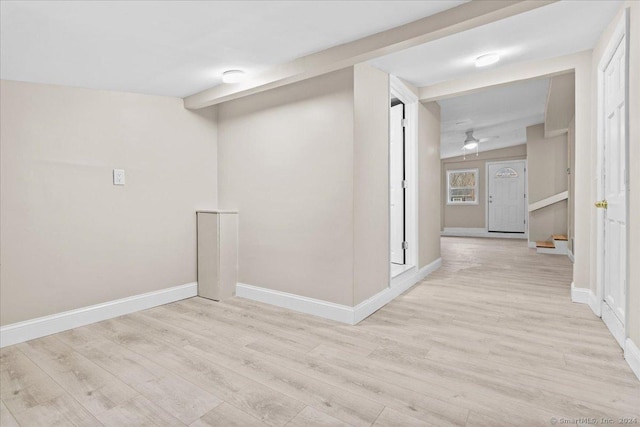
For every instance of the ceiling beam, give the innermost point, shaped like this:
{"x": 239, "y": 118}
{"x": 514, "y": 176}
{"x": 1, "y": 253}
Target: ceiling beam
{"x": 461, "y": 18}
{"x": 503, "y": 76}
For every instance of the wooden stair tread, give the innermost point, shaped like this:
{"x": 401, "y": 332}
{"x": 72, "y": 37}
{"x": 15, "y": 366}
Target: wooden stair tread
{"x": 559, "y": 237}
{"x": 549, "y": 245}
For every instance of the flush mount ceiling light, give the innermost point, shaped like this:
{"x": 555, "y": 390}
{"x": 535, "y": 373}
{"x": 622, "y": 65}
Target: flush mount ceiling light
{"x": 232, "y": 76}
{"x": 488, "y": 59}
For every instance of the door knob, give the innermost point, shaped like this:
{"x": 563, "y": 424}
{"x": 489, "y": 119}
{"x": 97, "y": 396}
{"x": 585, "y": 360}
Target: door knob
{"x": 602, "y": 204}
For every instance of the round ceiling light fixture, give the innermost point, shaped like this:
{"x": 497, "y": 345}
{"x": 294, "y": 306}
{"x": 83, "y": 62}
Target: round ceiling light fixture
{"x": 488, "y": 59}
{"x": 233, "y": 76}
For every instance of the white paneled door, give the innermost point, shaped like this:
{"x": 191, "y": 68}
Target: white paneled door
{"x": 507, "y": 197}
{"x": 397, "y": 184}
{"x": 613, "y": 215}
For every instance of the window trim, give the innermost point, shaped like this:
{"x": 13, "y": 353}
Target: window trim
{"x": 476, "y": 188}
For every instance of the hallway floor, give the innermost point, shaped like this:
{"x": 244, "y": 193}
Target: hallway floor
{"x": 490, "y": 339}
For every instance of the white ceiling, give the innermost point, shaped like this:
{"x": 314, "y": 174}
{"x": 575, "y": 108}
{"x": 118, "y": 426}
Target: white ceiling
{"x": 560, "y": 28}
{"x": 179, "y": 48}
{"x": 500, "y": 114}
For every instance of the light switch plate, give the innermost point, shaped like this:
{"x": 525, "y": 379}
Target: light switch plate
{"x": 118, "y": 177}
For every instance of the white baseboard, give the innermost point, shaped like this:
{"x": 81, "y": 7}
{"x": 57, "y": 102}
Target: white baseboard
{"x": 328, "y": 310}
{"x": 595, "y": 304}
{"x": 531, "y": 245}
{"x": 613, "y": 324}
{"x": 379, "y": 300}
{"x": 585, "y": 296}
{"x": 551, "y": 251}
{"x": 480, "y": 232}
{"x": 580, "y": 295}
{"x": 313, "y": 306}
{"x": 632, "y": 356}
{"x": 460, "y": 231}
{"x": 570, "y": 255}
{"x": 47, "y": 325}
{"x": 631, "y": 351}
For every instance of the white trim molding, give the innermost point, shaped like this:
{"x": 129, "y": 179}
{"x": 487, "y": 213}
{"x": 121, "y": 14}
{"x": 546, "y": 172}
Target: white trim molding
{"x": 580, "y": 295}
{"x": 338, "y": 312}
{"x": 611, "y": 321}
{"x": 406, "y": 282}
{"x": 631, "y": 351}
{"x": 47, "y": 325}
{"x": 548, "y": 201}
{"x": 316, "y": 307}
{"x": 570, "y": 255}
{"x": 632, "y": 356}
{"x": 480, "y": 232}
{"x": 401, "y": 91}
{"x": 585, "y": 296}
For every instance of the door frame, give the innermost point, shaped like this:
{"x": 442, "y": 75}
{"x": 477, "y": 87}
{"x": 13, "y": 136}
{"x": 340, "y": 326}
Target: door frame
{"x": 525, "y": 199}
{"x": 619, "y": 332}
{"x": 404, "y": 175}
{"x": 398, "y": 89}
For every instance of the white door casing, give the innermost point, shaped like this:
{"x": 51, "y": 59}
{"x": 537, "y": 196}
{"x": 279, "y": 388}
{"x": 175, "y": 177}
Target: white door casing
{"x": 612, "y": 163}
{"x": 398, "y": 273}
{"x": 396, "y": 184}
{"x": 506, "y": 196}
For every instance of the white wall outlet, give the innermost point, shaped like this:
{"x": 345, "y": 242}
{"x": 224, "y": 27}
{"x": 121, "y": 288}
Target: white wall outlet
{"x": 118, "y": 177}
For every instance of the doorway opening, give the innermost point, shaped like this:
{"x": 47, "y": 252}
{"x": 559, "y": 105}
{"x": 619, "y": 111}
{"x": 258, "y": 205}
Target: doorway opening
{"x": 403, "y": 242}
{"x": 397, "y": 184}
{"x": 507, "y": 159}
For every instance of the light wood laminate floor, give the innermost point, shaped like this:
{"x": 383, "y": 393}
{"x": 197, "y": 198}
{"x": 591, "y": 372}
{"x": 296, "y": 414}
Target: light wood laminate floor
{"x": 490, "y": 339}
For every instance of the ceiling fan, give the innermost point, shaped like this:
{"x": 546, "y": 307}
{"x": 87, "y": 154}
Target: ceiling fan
{"x": 470, "y": 141}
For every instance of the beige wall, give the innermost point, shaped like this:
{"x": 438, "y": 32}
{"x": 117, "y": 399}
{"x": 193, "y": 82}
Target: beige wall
{"x": 473, "y": 216}
{"x": 371, "y": 250}
{"x": 547, "y": 175}
{"x": 285, "y": 161}
{"x": 560, "y": 107}
{"x": 429, "y": 183}
{"x": 68, "y": 237}
{"x": 307, "y": 167}
{"x": 583, "y": 240}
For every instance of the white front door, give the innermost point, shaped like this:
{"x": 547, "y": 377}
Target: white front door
{"x": 507, "y": 202}
{"x": 396, "y": 184}
{"x": 613, "y": 191}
